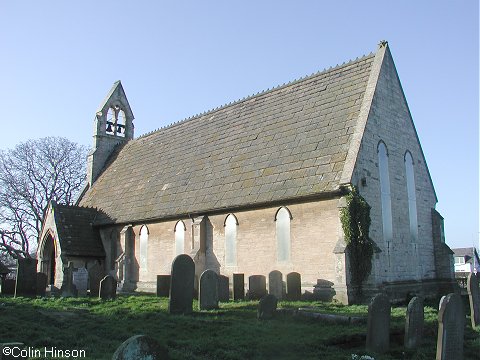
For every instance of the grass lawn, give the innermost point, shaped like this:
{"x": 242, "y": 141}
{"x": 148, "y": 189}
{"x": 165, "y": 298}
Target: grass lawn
{"x": 232, "y": 332}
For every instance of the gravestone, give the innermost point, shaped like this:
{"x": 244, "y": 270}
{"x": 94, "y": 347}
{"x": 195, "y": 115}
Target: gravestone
{"x": 41, "y": 284}
{"x": 275, "y": 284}
{"x": 451, "y": 325}
{"x": 26, "y": 282}
{"x": 80, "y": 280}
{"x": 378, "y": 324}
{"x": 223, "y": 288}
{"x": 294, "y": 286}
{"x": 108, "y": 288}
{"x": 95, "y": 275}
{"x": 238, "y": 286}
{"x": 68, "y": 287}
{"x": 474, "y": 298}
{"x": 257, "y": 287}
{"x": 267, "y": 307}
{"x": 182, "y": 285}
{"x": 141, "y": 347}
{"x": 208, "y": 291}
{"x": 163, "y": 285}
{"x": 8, "y": 287}
{"x": 414, "y": 323}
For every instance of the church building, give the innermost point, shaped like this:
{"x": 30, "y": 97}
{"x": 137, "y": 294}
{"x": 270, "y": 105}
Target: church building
{"x": 258, "y": 185}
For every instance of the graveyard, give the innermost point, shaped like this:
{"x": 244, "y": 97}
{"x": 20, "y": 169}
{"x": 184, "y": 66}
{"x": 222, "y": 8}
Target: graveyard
{"x": 230, "y": 332}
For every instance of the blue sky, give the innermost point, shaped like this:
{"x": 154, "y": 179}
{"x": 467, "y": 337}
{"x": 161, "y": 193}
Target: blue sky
{"x": 176, "y": 59}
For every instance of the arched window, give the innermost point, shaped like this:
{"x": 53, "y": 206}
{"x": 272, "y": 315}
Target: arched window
{"x": 282, "y": 225}
{"x": 412, "y": 198}
{"x": 179, "y": 238}
{"x": 231, "y": 224}
{"x": 385, "y": 192}
{"x": 143, "y": 247}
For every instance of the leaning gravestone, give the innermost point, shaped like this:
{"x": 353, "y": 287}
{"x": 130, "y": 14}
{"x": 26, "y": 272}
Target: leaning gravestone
{"x": 474, "y": 298}
{"x": 294, "y": 286}
{"x": 26, "y": 283}
{"x": 275, "y": 284}
{"x": 95, "y": 275}
{"x": 223, "y": 290}
{"x": 238, "y": 286}
{"x": 378, "y": 324}
{"x": 267, "y": 307}
{"x": 182, "y": 285}
{"x": 108, "y": 288}
{"x": 41, "y": 284}
{"x": 414, "y": 323}
{"x": 257, "y": 287}
{"x": 208, "y": 292}
{"x": 80, "y": 280}
{"x": 163, "y": 285}
{"x": 451, "y": 325}
{"x": 141, "y": 347}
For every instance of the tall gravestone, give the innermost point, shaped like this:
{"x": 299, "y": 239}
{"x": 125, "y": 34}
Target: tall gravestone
{"x": 182, "y": 285}
{"x": 238, "y": 286}
{"x": 294, "y": 286}
{"x": 378, "y": 324}
{"x": 95, "y": 275}
{"x": 223, "y": 288}
{"x": 26, "y": 283}
{"x": 8, "y": 287}
{"x": 275, "y": 284}
{"x": 41, "y": 284}
{"x": 208, "y": 291}
{"x": 414, "y": 323}
{"x": 451, "y": 326}
{"x": 257, "y": 287}
{"x": 80, "y": 280}
{"x": 108, "y": 288}
{"x": 474, "y": 298}
{"x": 163, "y": 285}
{"x": 68, "y": 287}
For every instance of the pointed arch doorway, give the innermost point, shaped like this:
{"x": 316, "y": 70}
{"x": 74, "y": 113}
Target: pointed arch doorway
{"x": 48, "y": 258}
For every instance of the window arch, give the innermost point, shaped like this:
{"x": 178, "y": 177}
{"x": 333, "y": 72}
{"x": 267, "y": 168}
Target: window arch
{"x": 143, "y": 247}
{"x": 282, "y": 225}
{"x": 180, "y": 229}
{"x": 412, "y": 198}
{"x": 385, "y": 191}
{"x": 231, "y": 224}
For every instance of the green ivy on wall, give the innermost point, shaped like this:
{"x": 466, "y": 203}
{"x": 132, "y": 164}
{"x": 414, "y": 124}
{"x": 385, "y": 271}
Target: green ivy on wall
{"x": 355, "y": 218}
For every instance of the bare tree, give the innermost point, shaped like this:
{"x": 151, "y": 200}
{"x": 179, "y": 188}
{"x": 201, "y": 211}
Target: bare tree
{"x": 31, "y": 175}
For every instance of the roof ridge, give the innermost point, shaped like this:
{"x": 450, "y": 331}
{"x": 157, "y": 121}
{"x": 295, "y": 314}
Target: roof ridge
{"x": 259, "y": 93}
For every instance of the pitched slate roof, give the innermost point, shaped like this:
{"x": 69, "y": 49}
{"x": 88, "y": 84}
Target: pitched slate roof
{"x": 75, "y": 231}
{"x": 285, "y": 143}
{"x": 469, "y": 252}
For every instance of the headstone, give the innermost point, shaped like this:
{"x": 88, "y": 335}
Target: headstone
{"x": 451, "y": 325}
{"x": 68, "y": 287}
{"x": 378, "y": 324}
{"x": 414, "y": 323}
{"x": 141, "y": 347}
{"x": 238, "y": 286}
{"x": 26, "y": 283}
{"x": 163, "y": 285}
{"x": 208, "y": 292}
{"x": 294, "y": 286}
{"x": 41, "y": 284}
{"x": 267, "y": 307}
{"x": 108, "y": 288}
{"x": 13, "y": 351}
{"x": 223, "y": 288}
{"x": 80, "y": 280}
{"x": 275, "y": 284}
{"x": 474, "y": 298}
{"x": 257, "y": 287}
{"x": 182, "y": 285}
{"x": 95, "y": 275}
{"x": 8, "y": 287}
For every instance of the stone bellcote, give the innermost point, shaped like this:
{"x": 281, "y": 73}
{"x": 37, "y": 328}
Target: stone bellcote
{"x": 113, "y": 125}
